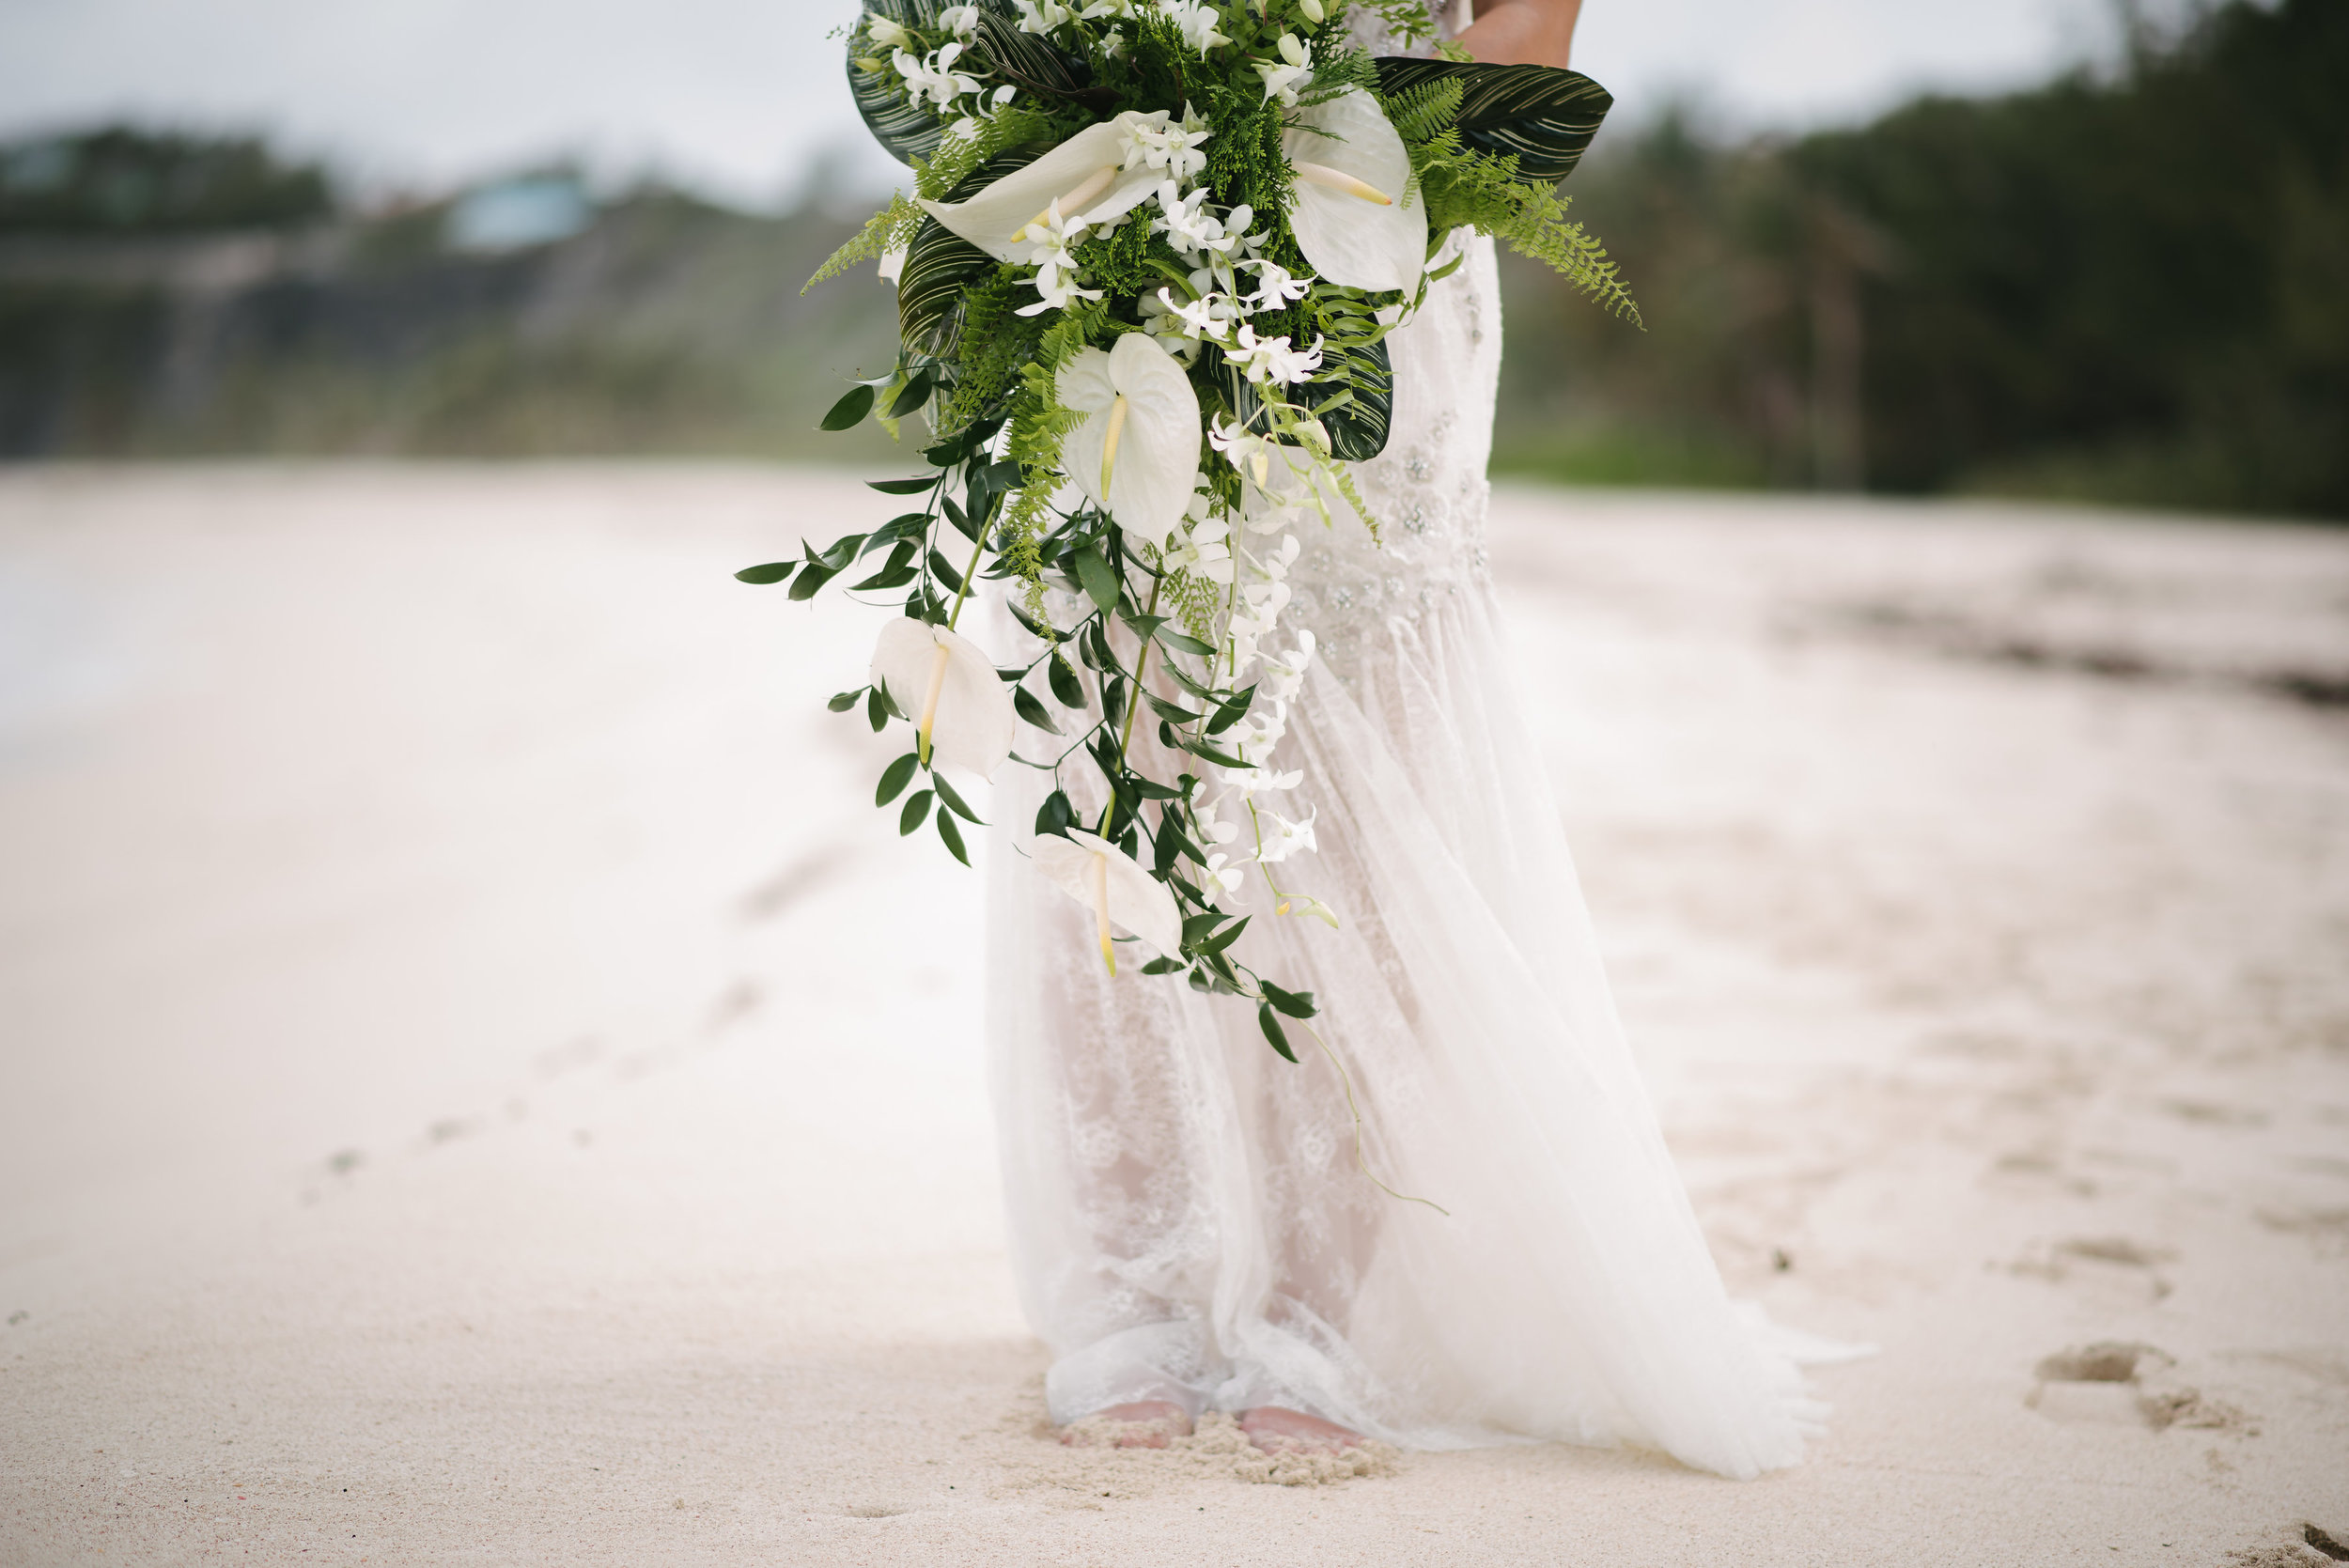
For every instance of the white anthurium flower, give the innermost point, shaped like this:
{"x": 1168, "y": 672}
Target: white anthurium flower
{"x": 1103, "y": 877}
{"x": 1137, "y": 453}
{"x": 1351, "y": 220}
{"x": 892, "y": 263}
{"x": 961, "y": 712}
{"x": 1084, "y": 179}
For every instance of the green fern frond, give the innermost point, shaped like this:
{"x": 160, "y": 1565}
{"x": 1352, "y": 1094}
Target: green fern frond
{"x": 886, "y": 230}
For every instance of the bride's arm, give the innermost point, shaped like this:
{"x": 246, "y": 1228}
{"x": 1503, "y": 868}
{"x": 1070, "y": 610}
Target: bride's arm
{"x": 1522, "y": 32}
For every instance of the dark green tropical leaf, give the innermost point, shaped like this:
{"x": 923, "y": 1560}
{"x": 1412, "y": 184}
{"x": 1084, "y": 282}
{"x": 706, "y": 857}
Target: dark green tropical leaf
{"x": 1098, "y": 576}
{"x": 774, "y": 571}
{"x": 951, "y": 801}
{"x": 941, "y": 268}
{"x": 1296, "y": 1005}
{"x": 1161, "y": 965}
{"x": 953, "y": 835}
{"x": 897, "y": 572}
{"x": 851, "y": 410}
{"x": 1024, "y": 703}
{"x": 1184, "y": 642}
{"x": 902, "y": 487}
{"x": 895, "y": 777}
{"x": 910, "y": 396}
{"x": 1173, "y": 713}
{"x": 1066, "y": 688}
{"x": 1272, "y": 1030}
{"x": 877, "y": 709}
{"x": 1226, "y": 936}
{"x": 917, "y": 807}
{"x": 1542, "y": 116}
{"x": 812, "y": 577}
{"x": 944, "y": 572}
{"x": 1055, "y": 815}
{"x": 844, "y": 701}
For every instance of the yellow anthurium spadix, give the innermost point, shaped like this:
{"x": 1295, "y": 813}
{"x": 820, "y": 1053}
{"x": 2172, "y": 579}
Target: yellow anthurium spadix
{"x": 1137, "y": 453}
{"x": 1085, "y": 177}
{"x": 961, "y": 710}
{"x": 1107, "y": 881}
{"x": 1351, "y": 219}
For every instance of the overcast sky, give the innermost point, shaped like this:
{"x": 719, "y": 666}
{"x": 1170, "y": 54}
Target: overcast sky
{"x": 736, "y": 97}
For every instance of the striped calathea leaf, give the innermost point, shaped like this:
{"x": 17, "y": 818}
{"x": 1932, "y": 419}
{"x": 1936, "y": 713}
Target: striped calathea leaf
{"x": 1542, "y": 116}
{"x": 1357, "y": 427}
{"x": 908, "y": 130}
{"x": 942, "y": 267}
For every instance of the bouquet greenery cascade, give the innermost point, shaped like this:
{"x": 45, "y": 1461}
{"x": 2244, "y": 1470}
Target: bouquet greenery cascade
{"x": 1143, "y": 288}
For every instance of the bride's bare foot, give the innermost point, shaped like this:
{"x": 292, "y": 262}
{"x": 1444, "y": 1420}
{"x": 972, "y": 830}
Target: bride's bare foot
{"x": 1270, "y": 1427}
{"x": 1149, "y": 1424}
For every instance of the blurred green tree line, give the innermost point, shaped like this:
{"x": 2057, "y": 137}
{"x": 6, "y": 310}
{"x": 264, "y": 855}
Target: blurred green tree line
{"x": 2133, "y": 291}
{"x": 2131, "y": 287}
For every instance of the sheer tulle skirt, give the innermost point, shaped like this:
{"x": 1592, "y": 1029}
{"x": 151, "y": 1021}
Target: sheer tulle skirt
{"x": 1188, "y": 1221}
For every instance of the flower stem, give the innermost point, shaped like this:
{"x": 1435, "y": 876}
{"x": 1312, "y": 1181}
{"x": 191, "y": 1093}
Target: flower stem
{"x": 970, "y": 574}
{"x": 1348, "y": 1081}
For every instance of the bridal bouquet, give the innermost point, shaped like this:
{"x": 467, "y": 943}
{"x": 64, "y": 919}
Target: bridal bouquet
{"x": 1143, "y": 284}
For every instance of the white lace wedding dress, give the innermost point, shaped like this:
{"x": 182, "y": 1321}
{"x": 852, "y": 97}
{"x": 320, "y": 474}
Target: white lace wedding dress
{"x": 1187, "y": 1221}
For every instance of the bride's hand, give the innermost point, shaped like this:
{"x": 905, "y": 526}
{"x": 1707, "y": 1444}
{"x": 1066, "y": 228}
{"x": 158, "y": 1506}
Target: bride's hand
{"x": 1523, "y": 32}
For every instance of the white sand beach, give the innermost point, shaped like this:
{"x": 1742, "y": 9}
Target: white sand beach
{"x": 478, "y": 1085}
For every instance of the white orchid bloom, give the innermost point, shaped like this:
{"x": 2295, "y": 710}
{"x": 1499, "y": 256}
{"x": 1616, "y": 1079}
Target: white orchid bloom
{"x": 1223, "y": 876}
{"x": 1137, "y": 453}
{"x": 1118, "y": 891}
{"x": 887, "y": 34}
{"x": 962, "y": 711}
{"x": 963, "y": 20}
{"x": 935, "y": 77}
{"x": 1286, "y": 838}
{"x": 1198, "y": 233}
{"x": 1291, "y": 75}
{"x": 1154, "y": 143}
{"x": 1196, "y": 23}
{"x": 1210, "y": 316}
{"x": 1351, "y": 220}
{"x": 1285, "y": 674}
{"x": 1042, "y": 16}
{"x": 1271, "y": 359}
{"x": 1277, "y": 288}
{"x": 1051, "y": 246}
{"x": 1085, "y": 177}
{"x": 1161, "y": 321}
{"x": 1202, "y": 548}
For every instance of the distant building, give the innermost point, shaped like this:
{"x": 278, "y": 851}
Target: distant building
{"x": 514, "y": 215}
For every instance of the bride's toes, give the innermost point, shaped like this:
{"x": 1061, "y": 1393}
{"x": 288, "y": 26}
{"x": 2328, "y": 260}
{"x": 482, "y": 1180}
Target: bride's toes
{"x": 1270, "y": 1427}
{"x": 1149, "y": 1424}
